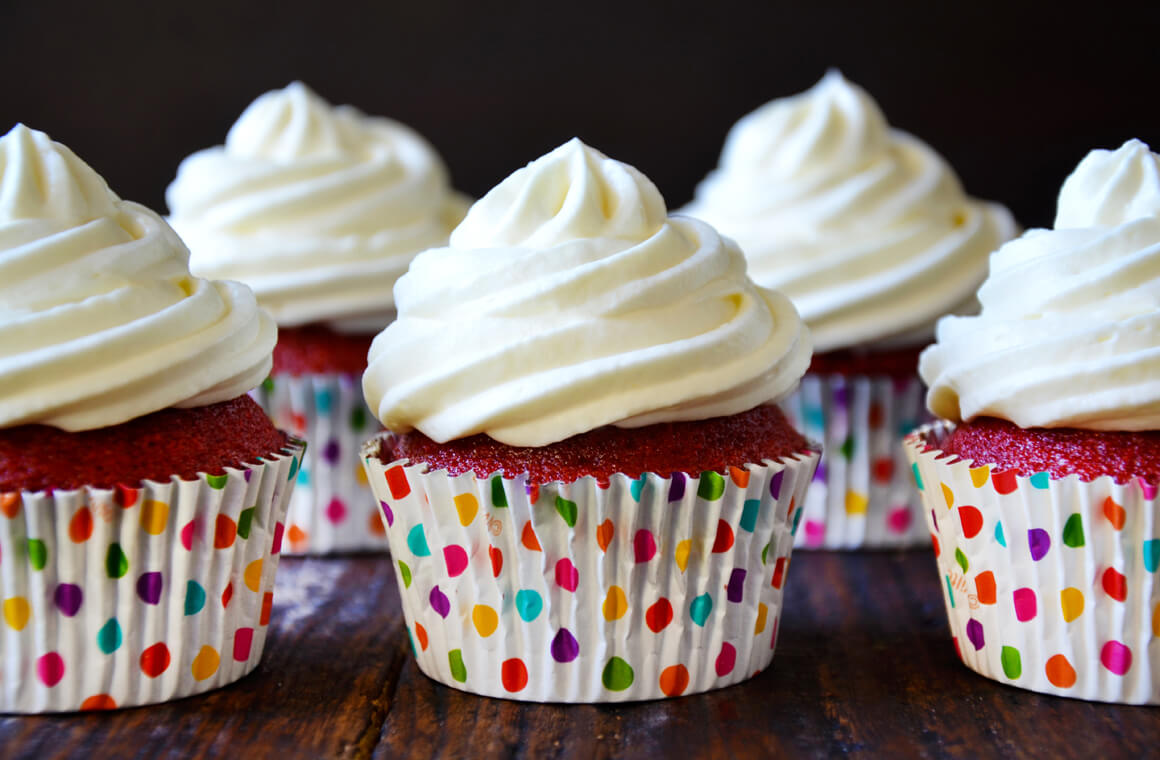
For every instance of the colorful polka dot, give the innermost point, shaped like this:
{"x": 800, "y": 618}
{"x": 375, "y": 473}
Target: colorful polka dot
{"x": 227, "y": 594}
{"x": 644, "y": 546}
{"x": 604, "y": 533}
{"x": 711, "y": 486}
{"x": 439, "y": 602}
{"x": 37, "y": 554}
{"x": 1152, "y": 555}
{"x": 68, "y": 598}
{"x": 252, "y": 576}
{"x": 17, "y": 611}
{"x": 1071, "y": 603}
{"x": 1115, "y": 584}
{"x": 762, "y": 614}
{"x": 155, "y": 660}
{"x": 847, "y": 448}
{"x": 979, "y": 475}
{"x": 149, "y": 587}
{"x": 917, "y": 477}
{"x": 775, "y": 484}
{"x": 529, "y": 539}
{"x": 676, "y": 487}
{"x": 50, "y": 669}
{"x": 883, "y": 470}
{"x": 397, "y": 483}
{"x": 455, "y": 558}
{"x": 1012, "y": 662}
{"x": 10, "y": 505}
{"x": 749, "y": 511}
{"x": 615, "y": 603}
{"x": 1004, "y": 482}
{"x": 405, "y": 573}
{"x": 98, "y": 702}
{"x": 617, "y": 674}
{"x": 723, "y": 541}
{"x": 267, "y": 607}
{"x": 948, "y": 495}
{"x": 529, "y": 604}
{"x": 999, "y": 537}
{"x": 636, "y": 487}
{"x": 417, "y": 542}
{"x": 961, "y": 559}
{"x": 726, "y": 659}
{"x": 498, "y": 495}
{"x": 206, "y": 663}
{"x": 421, "y": 634}
{"x": 985, "y": 590}
{"x": 1040, "y": 480}
{"x": 1156, "y": 620}
{"x": 1115, "y": 514}
{"x": 154, "y": 517}
{"x": 458, "y": 669}
{"x": 217, "y": 482}
{"x": 659, "y": 614}
{"x": 975, "y": 634}
{"x": 243, "y": 643}
{"x": 276, "y": 544}
{"x": 700, "y": 608}
{"x": 496, "y": 556}
{"x": 116, "y": 563}
{"x": 856, "y": 503}
{"x": 485, "y": 619}
{"x": 1116, "y": 657}
{"x": 681, "y": 555}
{"x": 514, "y": 674}
{"x": 899, "y": 519}
{"x": 971, "y": 519}
{"x": 1060, "y": 672}
{"x": 335, "y": 511}
{"x": 80, "y": 527}
{"x": 1038, "y": 542}
{"x": 674, "y": 680}
{"x": 388, "y": 513}
{"x": 567, "y": 576}
{"x": 1026, "y": 605}
{"x": 224, "y": 533}
{"x": 779, "y": 568}
{"x": 109, "y": 636}
{"x": 467, "y": 507}
{"x": 565, "y": 647}
{"x": 735, "y": 588}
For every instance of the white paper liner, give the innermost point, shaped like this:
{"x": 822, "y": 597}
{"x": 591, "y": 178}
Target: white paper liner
{"x": 862, "y": 496}
{"x": 1050, "y": 583}
{"x": 332, "y": 509}
{"x": 122, "y": 597}
{"x": 570, "y": 592}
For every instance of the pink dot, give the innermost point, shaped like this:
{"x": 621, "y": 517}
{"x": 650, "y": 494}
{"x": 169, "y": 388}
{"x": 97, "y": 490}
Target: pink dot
{"x": 243, "y": 640}
{"x": 815, "y": 533}
{"x": 726, "y": 659}
{"x": 456, "y": 559}
{"x": 567, "y": 576}
{"x": 276, "y": 547}
{"x": 899, "y": 519}
{"x": 336, "y": 511}
{"x": 1116, "y": 657}
{"x": 1025, "y": 604}
{"x": 644, "y": 546}
{"x": 187, "y": 534}
{"x": 50, "y": 669}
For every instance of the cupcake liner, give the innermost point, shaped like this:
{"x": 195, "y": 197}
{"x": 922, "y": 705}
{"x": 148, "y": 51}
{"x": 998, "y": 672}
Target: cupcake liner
{"x": 574, "y": 592}
{"x": 332, "y": 509}
{"x": 131, "y": 596}
{"x": 1050, "y": 583}
{"x": 862, "y": 496}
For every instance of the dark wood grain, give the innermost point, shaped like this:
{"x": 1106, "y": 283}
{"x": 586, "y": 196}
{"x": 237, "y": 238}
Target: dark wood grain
{"x": 864, "y": 666}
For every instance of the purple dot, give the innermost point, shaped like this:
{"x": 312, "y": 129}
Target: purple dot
{"x": 677, "y": 488}
{"x": 1039, "y": 542}
{"x": 68, "y": 599}
{"x": 331, "y": 451}
{"x": 439, "y": 602}
{"x": 775, "y": 484}
{"x": 565, "y": 648}
{"x": 819, "y": 474}
{"x": 149, "y": 588}
{"x": 975, "y": 633}
{"x": 388, "y": 513}
{"x": 736, "y": 585}
{"x": 336, "y": 511}
{"x": 841, "y": 395}
{"x": 934, "y": 519}
{"x": 246, "y": 473}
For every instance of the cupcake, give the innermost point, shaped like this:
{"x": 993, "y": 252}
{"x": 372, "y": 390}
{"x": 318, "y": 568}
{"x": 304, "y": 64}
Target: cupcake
{"x": 319, "y": 210}
{"x": 868, "y": 231}
{"x": 589, "y": 493}
{"x": 142, "y": 492}
{"x": 1040, "y": 481}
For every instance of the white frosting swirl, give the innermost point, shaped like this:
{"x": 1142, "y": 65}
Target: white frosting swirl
{"x": 577, "y": 303}
{"x": 866, "y": 228}
{"x": 1069, "y": 335}
{"x": 100, "y": 320}
{"x": 318, "y": 209}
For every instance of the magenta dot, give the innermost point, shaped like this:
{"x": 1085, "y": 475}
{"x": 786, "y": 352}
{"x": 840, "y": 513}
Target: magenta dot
{"x": 68, "y": 599}
{"x": 331, "y": 451}
{"x": 439, "y": 602}
{"x": 1038, "y": 542}
{"x": 149, "y": 587}
{"x": 815, "y": 533}
{"x": 565, "y": 647}
{"x": 1025, "y": 604}
{"x": 677, "y": 487}
{"x": 567, "y": 576}
{"x": 276, "y": 546}
{"x": 50, "y": 669}
{"x": 456, "y": 559}
{"x": 187, "y": 534}
{"x": 736, "y": 585}
{"x": 1116, "y": 657}
{"x": 899, "y": 519}
{"x": 975, "y": 633}
{"x": 388, "y": 513}
{"x": 644, "y": 546}
{"x": 726, "y": 659}
{"x": 336, "y": 511}
{"x": 243, "y": 640}
{"x": 775, "y": 484}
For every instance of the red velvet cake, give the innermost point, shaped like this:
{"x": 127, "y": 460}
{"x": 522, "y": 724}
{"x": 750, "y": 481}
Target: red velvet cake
{"x": 691, "y": 447}
{"x": 156, "y": 446}
{"x": 318, "y": 348}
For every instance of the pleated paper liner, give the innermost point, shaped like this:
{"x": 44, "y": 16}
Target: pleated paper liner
{"x": 573, "y": 592}
{"x": 862, "y": 496}
{"x": 332, "y": 511}
{"x": 1050, "y": 583}
{"x": 131, "y": 596}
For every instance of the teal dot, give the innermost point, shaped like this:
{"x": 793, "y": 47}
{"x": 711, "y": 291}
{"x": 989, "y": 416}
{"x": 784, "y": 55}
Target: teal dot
{"x": 1152, "y": 555}
{"x": 109, "y": 637}
{"x": 637, "y": 486}
{"x": 37, "y": 554}
{"x": 1040, "y": 480}
{"x": 293, "y": 468}
{"x": 700, "y": 608}
{"x": 528, "y": 604}
{"x": 323, "y": 400}
{"x": 194, "y": 598}
{"x": 1012, "y": 662}
{"x": 999, "y": 534}
{"x": 458, "y": 669}
{"x": 917, "y": 477}
{"x": 711, "y": 486}
{"x": 813, "y": 416}
{"x": 950, "y": 590}
{"x": 567, "y": 510}
{"x": 749, "y": 514}
{"x": 246, "y": 522}
{"x": 417, "y": 542}
{"x": 304, "y": 477}
{"x": 414, "y": 651}
{"x": 1073, "y": 531}
{"x": 617, "y": 675}
{"x": 797, "y": 520}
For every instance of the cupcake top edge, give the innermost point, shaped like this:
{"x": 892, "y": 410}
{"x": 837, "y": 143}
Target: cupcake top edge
{"x": 567, "y": 300}
{"x": 1069, "y": 332}
{"x": 100, "y": 319}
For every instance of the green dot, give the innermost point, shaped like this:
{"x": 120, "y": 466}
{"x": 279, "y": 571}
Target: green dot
{"x": 1073, "y": 531}
{"x": 109, "y": 637}
{"x": 246, "y": 522}
{"x": 37, "y": 554}
{"x": 116, "y": 563}
{"x": 458, "y": 669}
{"x": 711, "y": 487}
{"x": 765, "y": 555}
{"x": 617, "y": 675}
{"x": 961, "y": 559}
{"x": 498, "y": 495}
{"x": 406, "y": 573}
{"x": 567, "y": 510}
{"x": 848, "y": 447}
{"x": 268, "y": 385}
{"x": 1012, "y": 663}
{"x": 194, "y": 598}
{"x": 358, "y": 418}
{"x": 217, "y": 481}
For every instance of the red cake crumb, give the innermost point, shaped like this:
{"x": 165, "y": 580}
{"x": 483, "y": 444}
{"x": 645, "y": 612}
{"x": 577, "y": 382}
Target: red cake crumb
{"x": 1058, "y": 451}
{"x": 692, "y": 447}
{"x": 899, "y": 362}
{"x": 170, "y": 442}
{"x": 317, "y": 348}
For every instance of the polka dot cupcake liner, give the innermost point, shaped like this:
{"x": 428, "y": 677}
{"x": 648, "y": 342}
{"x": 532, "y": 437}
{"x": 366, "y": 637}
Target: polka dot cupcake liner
{"x": 1050, "y": 583}
{"x": 862, "y": 496}
{"x": 131, "y": 596}
{"x": 332, "y": 510}
{"x": 578, "y": 592}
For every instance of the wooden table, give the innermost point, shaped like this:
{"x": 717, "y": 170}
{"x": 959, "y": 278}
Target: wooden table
{"x": 864, "y": 665}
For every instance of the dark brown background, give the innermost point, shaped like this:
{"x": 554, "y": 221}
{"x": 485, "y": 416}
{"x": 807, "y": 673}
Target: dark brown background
{"x": 1012, "y": 93}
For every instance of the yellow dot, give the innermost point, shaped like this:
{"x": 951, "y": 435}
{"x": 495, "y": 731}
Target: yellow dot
{"x": 485, "y": 620}
{"x": 1156, "y": 620}
{"x": 762, "y": 611}
{"x": 467, "y": 506}
{"x": 17, "y": 612}
{"x": 979, "y": 475}
{"x": 360, "y": 475}
{"x": 253, "y": 575}
{"x": 154, "y": 515}
{"x": 615, "y": 603}
{"x": 856, "y": 503}
{"x": 206, "y": 663}
{"x": 682, "y": 554}
{"x": 948, "y": 494}
{"x": 1071, "y": 600}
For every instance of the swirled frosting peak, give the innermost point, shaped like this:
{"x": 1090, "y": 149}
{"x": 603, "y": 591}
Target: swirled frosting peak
{"x": 866, "y": 228}
{"x": 1069, "y": 334}
{"x": 100, "y": 319}
{"x": 576, "y": 303}
{"x": 318, "y": 208}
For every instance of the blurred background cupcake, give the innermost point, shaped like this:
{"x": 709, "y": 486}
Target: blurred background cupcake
{"x": 142, "y": 492}
{"x": 1041, "y": 479}
{"x": 868, "y": 231}
{"x": 589, "y": 491}
{"x": 319, "y": 209}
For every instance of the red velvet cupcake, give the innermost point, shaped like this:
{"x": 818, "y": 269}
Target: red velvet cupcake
{"x": 1041, "y": 481}
{"x": 139, "y": 485}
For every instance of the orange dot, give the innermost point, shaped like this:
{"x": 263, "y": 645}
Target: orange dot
{"x": 674, "y": 680}
{"x": 514, "y": 674}
{"x": 739, "y": 476}
{"x": 421, "y": 634}
{"x": 224, "y": 532}
{"x": 1060, "y": 672}
{"x": 1156, "y": 620}
{"x": 80, "y": 527}
{"x": 267, "y": 605}
{"x": 985, "y": 587}
{"x": 1115, "y": 513}
{"x": 10, "y": 504}
{"x": 99, "y": 702}
{"x": 529, "y": 539}
{"x": 375, "y": 524}
{"x": 296, "y": 535}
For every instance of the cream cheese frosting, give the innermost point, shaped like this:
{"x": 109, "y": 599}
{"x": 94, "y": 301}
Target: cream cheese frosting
{"x": 1069, "y": 334}
{"x": 100, "y": 319}
{"x": 865, "y": 227}
{"x": 319, "y": 209}
{"x": 576, "y": 302}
